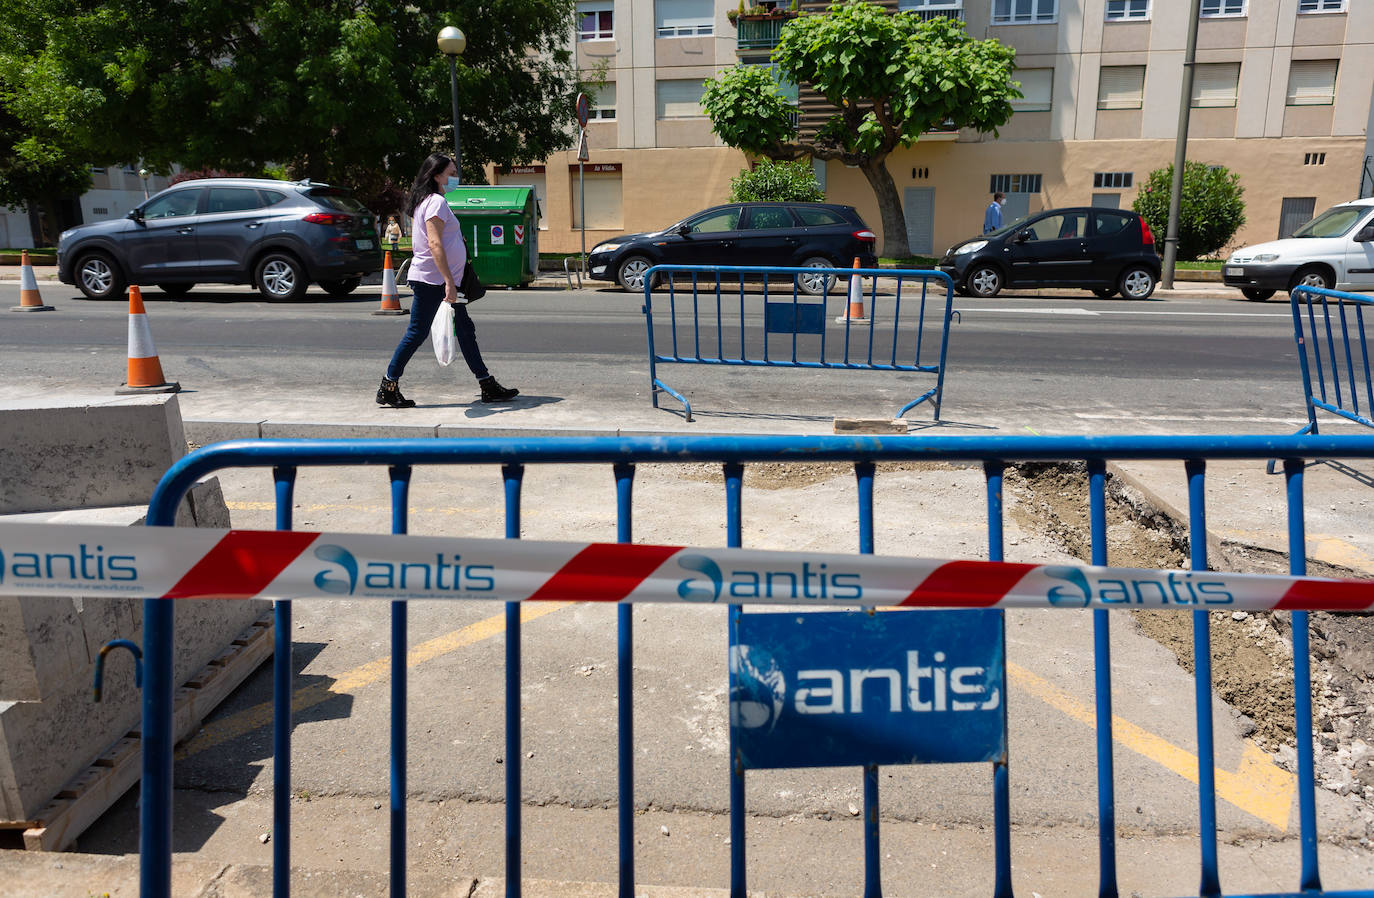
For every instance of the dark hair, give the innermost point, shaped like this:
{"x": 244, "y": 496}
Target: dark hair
{"x": 999, "y": 195}
{"x": 424, "y": 182}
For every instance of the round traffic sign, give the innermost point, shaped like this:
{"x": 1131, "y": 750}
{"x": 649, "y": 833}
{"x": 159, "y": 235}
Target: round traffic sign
{"x": 584, "y": 109}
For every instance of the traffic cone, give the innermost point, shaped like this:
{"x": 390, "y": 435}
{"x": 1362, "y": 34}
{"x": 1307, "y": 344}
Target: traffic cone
{"x": 145, "y": 370}
{"x": 29, "y": 300}
{"x": 854, "y": 314}
{"x": 391, "y": 301}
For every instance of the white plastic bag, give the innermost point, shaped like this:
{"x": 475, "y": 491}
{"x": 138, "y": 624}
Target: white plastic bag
{"x": 443, "y": 336}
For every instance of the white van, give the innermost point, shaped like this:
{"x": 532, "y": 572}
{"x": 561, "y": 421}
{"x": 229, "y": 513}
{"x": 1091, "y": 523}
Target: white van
{"x": 1334, "y": 250}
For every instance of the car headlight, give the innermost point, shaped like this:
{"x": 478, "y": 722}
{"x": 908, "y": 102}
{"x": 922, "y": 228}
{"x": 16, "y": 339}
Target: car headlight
{"x": 605, "y": 247}
{"x": 971, "y": 247}
{"x": 1267, "y": 257}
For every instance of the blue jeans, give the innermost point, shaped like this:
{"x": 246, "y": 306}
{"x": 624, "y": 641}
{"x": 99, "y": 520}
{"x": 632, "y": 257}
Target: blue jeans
{"x": 423, "y": 308}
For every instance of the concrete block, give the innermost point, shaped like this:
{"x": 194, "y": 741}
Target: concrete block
{"x": 102, "y": 453}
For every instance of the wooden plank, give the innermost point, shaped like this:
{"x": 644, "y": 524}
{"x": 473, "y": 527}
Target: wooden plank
{"x": 869, "y": 425}
{"x": 93, "y": 791}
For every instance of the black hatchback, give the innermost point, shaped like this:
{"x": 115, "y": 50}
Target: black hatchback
{"x": 1107, "y": 251}
{"x": 823, "y": 236}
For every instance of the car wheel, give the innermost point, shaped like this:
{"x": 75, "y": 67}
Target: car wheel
{"x": 984, "y": 281}
{"x": 1255, "y": 294}
{"x": 1311, "y": 276}
{"x": 175, "y": 289}
{"x": 1104, "y": 292}
{"x": 341, "y": 288}
{"x": 280, "y": 276}
{"x": 1137, "y": 282}
{"x": 817, "y": 283}
{"x": 99, "y": 277}
{"x": 631, "y": 274}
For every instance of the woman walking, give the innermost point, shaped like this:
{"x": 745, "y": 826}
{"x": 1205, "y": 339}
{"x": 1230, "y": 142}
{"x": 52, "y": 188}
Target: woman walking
{"x": 436, "y": 269}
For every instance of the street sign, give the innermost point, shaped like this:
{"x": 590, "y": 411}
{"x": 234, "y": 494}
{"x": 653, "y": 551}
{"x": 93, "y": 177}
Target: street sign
{"x": 828, "y": 689}
{"x": 519, "y": 234}
{"x": 498, "y": 235}
{"x": 582, "y": 154}
{"x": 584, "y": 110}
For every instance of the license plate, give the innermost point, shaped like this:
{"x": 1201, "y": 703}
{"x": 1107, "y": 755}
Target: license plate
{"x": 1235, "y": 272}
{"x": 364, "y": 244}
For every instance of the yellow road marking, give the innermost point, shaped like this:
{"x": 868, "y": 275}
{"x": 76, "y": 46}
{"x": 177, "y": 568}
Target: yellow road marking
{"x": 1258, "y": 787}
{"x": 260, "y": 716}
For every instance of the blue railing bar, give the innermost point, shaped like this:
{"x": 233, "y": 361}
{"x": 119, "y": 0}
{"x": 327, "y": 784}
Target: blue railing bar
{"x": 400, "y": 506}
{"x": 1364, "y": 357}
{"x": 766, "y": 362}
{"x": 897, "y": 318}
{"x": 873, "y": 879}
{"x": 653, "y": 354}
{"x": 1001, "y": 778}
{"x": 512, "y": 476}
{"x": 1196, "y": 470}
{"x": 734, "y": 539}
{"x": 624, "y": 487}
{"x": 1331, "y": 350}
{"x": 1302, "y": 673}
{"x": 696, "y": 315}
{"x": 915, "y": 402}
{"x": 672, "y": 306}
{"x": 662, "y": 387}
{"x": 283, "y": 672}
{"x": 1349, "y": 361}
{"x": 873, "y": 316}
{"x": 1315, "y": 341}
{"x": 742, "y": 351}
{"x": 811, "y": 448}
{"x": 1344, "y": 413}
{"x": 1102, "y": 662}
{"x": 944, "y": 348}
{"x": 720, "y": 323}
{"x": 845, "y": 273}
{"x": 1302, "y": 361}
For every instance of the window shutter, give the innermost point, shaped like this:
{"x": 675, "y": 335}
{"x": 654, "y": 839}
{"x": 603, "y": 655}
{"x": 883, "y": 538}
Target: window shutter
{"x": 684, "y": 13}
{"x": 1035, "y": 84}
{"x": 1214, "y": 84}
{"x": 680, "y": 99}
{"x": 1121, "y": 87}
{"x": 1312, "y": 82}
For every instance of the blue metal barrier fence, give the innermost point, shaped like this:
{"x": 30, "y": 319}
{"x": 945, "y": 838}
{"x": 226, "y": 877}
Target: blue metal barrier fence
{"x": 733, "y": 453}
{"x": 713, "y": 319}
{"x": 1333, "y": 345}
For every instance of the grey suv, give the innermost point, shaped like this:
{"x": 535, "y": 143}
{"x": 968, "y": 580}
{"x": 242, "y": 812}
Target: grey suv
{"x": 279, "y": 235}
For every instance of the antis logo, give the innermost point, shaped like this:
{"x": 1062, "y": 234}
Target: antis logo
{"x": 1173, "y": 588}
{"x": 807, "y": 582}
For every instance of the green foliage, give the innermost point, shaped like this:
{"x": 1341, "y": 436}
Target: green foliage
{"x": 347, "y": 91}
{"x": 1211, "y": 212}
{"x": 777, "y": 182}
{"x": 747, "y": 110}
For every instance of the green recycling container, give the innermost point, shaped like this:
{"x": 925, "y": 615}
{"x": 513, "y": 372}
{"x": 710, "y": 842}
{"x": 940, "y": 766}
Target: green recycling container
{"x": 501, "y": 226}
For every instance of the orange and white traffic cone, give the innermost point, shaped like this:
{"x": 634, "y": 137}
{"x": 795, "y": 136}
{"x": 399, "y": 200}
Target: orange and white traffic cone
{"x": 854, "y": 314}
{"x": 29, "y": 299}
{"x": 145, "y": 369}
{"x": 391, "y": 301}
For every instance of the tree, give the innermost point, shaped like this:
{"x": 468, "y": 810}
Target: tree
{"x": 349, "y": 91}
{"x": 776, "y": 182}
{"x": 892, "y": 77}
{"x": 1211, "y": 213}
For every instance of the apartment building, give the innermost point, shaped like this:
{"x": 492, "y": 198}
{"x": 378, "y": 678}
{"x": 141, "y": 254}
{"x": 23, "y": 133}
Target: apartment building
{"x": 1282, "y": 95}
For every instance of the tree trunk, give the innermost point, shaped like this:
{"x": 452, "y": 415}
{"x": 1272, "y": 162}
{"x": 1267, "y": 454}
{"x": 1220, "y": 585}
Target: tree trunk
{"x": 889, "y": 208}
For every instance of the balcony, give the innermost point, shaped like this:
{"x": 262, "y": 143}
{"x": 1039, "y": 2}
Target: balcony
{"x": 759, "y": 33}
{"x": 926, "y": 15}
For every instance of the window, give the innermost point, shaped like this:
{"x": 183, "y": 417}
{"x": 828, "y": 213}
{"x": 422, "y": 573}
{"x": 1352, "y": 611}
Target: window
{"x": 813, "y": 217}
{"x": 173, "y": 205}
{"x": 97, "y": 170}
{"x": 684, "y": 18}
{"x": 595, "y": 20}
{"x": 715, "y": 222}
{"x": 1312, "y": 82}
{"x": 904, "y": 5}
{"x": 1321, "y": 6}
{"x": 1060, "y": 226}
{"x": 1121, "y": 87}
{"x": 1313, "y": 158}
{"x": 1214, "y": 84}
{"x": 233, "y": 199}
{"x": 603, "y": 102}
{"x": 769, "y": 218}
{"x": 1122, "y": 10}
{"x": 1024, "y": 12}
{"x": 1109, "y": 223}
{"x": 1295, "y": 212}
{"x": 1015, "y": 184}
{"x": 1121, "y": 180}
{"x": 1212, "y": 8}
{"x": 1035, "y": 87}
{"x": 680, "y": 99}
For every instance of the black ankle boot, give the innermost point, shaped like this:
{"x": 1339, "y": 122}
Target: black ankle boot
{"x": 389, "y": 393}
{"x": 494, "y": 392}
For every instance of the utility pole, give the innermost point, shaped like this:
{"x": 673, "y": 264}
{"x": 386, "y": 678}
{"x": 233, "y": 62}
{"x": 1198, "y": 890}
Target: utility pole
{"x": 1185, "y": 105}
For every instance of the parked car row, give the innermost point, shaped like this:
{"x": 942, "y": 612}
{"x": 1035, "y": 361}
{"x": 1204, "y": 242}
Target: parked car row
{"x": 278, "y": 235}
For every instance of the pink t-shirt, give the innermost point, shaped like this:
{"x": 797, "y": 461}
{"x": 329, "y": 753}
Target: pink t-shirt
{"x": 423, "y": 267}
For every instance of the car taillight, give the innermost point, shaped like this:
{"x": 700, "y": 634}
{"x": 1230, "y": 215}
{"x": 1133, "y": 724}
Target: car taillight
{"x": 1147, "y": 238}
{"x": 330, "y": 218}
{"x": 866, "y": 236}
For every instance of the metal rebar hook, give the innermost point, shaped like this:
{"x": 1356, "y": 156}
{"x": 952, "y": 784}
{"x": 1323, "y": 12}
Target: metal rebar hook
{"x": 100, "y": 662}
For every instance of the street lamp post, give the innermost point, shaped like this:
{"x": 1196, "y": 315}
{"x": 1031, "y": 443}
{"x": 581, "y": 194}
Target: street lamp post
{"x": 143, "y": 173}
{"x": 452, "y": 43}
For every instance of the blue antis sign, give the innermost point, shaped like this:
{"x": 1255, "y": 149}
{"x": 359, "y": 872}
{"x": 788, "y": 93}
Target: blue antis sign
{"x": 830, "y": 689}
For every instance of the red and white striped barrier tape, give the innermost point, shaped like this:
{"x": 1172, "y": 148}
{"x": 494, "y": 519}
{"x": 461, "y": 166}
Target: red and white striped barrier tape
{"x": 190, "y": 563}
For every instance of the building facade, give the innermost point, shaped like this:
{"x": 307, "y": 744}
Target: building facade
{"x": 1283, "y": 95}
{"x": 114, "y": 191}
